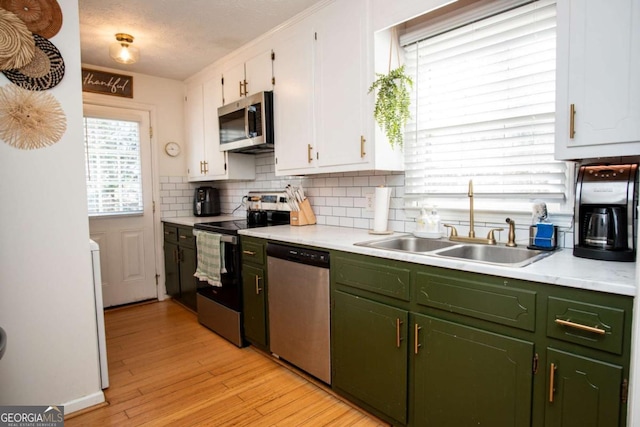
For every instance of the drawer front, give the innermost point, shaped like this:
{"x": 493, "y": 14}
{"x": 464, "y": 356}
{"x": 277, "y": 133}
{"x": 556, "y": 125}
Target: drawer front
{"x": 591, "y": 325}
{"x": 170, "y": 233}
{"x": 476, "y": 296}
{"x": 253, "y": 251}
{"x": 186, "y": 237}
{"x": 373, "y": 276}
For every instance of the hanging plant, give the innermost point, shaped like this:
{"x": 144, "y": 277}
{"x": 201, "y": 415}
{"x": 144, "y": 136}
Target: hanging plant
{"x": 392, "y": 96}
{"x": 392, "y": 103}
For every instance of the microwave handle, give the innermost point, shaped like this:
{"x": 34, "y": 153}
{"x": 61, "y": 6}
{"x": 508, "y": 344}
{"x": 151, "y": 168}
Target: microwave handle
{"x": 246, "y": 122}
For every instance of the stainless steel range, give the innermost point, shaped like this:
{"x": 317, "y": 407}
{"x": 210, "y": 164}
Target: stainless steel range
{"x": 220, "y": 308}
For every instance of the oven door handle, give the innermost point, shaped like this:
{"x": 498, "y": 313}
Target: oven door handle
{"x": 229, "y": 239}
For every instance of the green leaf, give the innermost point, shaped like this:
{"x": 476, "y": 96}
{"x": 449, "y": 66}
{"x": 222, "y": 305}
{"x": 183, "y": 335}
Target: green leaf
{"x": 392, "y": 103}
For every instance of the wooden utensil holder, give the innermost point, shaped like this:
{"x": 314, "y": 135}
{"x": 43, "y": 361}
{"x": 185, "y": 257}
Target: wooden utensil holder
{"x": 304, "y": 216}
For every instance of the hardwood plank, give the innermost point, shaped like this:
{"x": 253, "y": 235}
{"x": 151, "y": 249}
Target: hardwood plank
{"x": 167, "y": 369}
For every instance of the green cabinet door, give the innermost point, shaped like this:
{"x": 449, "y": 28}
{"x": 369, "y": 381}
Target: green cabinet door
{"x": 370, "y": 353}
{"x": 171, "y": 269}
{"x": 464, "y": 376}
{"x": 255, "y": 305}
{"x": 188, "y": 283}
{"x": 581, "y": 392}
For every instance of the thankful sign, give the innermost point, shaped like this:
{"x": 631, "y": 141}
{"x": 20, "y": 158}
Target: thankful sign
{"x": 107, "y": 83}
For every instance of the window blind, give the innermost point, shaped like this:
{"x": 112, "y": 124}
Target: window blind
{"x": 483, "y": 109}
{"x": 113, "y": 166}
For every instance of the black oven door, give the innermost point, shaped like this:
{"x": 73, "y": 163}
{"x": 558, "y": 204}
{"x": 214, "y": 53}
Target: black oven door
{"x": 230, "y": 293}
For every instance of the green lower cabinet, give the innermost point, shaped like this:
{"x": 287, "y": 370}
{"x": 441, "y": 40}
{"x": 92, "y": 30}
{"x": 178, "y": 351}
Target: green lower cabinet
{"x": 254, "y": 305}
{"x": 370, "y": 353}
{"x": 582, "y": 392}
{"x": 171, "y": 269}
{"x": 464, "y": 376}
{"x": 188, "y": 283}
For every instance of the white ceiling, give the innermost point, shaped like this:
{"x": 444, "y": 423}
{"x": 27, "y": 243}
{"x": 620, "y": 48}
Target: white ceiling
{"x": 177, "y": 38}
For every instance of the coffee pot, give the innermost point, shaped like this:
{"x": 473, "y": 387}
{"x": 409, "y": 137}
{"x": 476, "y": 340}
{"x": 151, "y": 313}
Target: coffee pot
{"x": 606, "y": 223}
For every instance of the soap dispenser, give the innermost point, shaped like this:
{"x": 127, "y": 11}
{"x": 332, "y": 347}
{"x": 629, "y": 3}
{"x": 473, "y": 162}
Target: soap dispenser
{"x": 421, "y": 221}
{"x": 433, "y": 222}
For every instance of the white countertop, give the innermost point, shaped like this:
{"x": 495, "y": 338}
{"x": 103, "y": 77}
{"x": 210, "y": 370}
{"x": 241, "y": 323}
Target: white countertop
{"x": 560, "y": 268}
{"x": 191, "y": 220}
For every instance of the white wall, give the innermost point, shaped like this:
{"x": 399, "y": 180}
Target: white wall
{"x": 46, "y": 293}
{"x": 165, "y": 99}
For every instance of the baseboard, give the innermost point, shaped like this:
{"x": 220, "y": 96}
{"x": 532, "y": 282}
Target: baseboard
{"x": 83, "y": 402}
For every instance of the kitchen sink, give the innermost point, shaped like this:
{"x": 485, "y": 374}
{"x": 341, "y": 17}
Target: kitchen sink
{"x": 497, "y": 255}
{"x": 408, "y": 244}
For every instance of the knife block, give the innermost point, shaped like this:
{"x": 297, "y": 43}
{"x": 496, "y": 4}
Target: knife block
{"x": 304, "y": 216}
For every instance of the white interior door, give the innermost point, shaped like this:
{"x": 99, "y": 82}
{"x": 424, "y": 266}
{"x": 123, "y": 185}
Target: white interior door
{"x": 119, "y": 181}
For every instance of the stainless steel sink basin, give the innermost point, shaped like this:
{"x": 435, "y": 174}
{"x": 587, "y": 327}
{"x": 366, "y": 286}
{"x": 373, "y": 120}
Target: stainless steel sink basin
{"x": 408, "y": 244}
{"x": 497, "y": 255}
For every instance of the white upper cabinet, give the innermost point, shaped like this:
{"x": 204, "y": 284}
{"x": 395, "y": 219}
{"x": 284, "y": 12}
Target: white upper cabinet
{"x": 249, "y": 77}
{"x": 324, "y": 117}
{"x": 206, "y": 161}
{"x": 598, "y": 79}
{"x": 293, "y": 101}
{"x": 341, "y": 86}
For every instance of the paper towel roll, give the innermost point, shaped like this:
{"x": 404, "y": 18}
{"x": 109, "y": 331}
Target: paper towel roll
{"x": 381, "y": 209}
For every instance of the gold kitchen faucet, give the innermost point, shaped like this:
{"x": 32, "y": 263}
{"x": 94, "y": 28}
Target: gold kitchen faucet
{"x": 490, "y": 240}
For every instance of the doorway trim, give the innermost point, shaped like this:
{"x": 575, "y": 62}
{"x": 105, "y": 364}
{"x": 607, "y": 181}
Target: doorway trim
{"x": 101, "y": 100}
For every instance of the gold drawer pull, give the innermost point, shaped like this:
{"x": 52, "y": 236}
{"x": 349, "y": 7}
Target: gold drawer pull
{"x": 552, "y": 375}
{"x": 572, "y": 122}
{"x": 593, "y": 329}
{"x": 398, "y": 339}
{"x": 249, "y": 253}
{"x": 416, "y": 337}
{"x": 258, "y": 288}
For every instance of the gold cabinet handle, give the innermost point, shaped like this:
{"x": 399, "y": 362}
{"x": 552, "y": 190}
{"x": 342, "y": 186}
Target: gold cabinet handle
{"x": 570, "y": 324}
{"x": 416, "y": 337}
{"x": 362, "y": 141}
{"x": 176, "y": 256}
{"x": 258, "y": 288}
{"x": 246, "y": 92}
{"x": 309, "y": 148}
{"x": 183, "y": 237}
{"x": 249, "y": 253}
{"x": 552, "y": 375}
{"x": 572, "y": 121}
{"x": 240, "y": 86}
{"x": 398, "y": 339}
{"x": 206, "y": 167}
{"x": 201, "y": 167}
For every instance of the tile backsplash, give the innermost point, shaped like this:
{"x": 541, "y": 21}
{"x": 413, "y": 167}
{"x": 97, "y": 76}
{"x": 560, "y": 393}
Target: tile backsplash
{"x": 337, "y": 199}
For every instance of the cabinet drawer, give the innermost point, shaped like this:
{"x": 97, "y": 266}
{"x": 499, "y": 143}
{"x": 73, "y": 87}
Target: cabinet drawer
{"x": 170, "y": 233}
{"x": 591, "y": 325}
{"x": 186, "y": 237}
{"x": 478, "y": 296}
{"x": 373, "y": 276}
{"x": 253, "y": 251}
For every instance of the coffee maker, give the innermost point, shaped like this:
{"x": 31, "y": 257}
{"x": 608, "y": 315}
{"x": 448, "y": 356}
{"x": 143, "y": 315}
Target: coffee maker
{"x": 605, "y": 212}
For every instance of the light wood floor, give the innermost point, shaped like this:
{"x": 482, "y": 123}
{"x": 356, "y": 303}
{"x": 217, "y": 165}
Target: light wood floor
{"x": 167, "y": 369}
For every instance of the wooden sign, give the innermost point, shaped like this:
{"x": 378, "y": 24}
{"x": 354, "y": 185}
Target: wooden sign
{"x": 107, "y": 83}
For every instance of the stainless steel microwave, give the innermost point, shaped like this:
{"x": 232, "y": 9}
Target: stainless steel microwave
{"x": 246, "y": 125}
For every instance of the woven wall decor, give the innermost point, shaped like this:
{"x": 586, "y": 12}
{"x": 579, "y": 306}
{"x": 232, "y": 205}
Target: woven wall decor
{"x": 30, "y": 120}
{"x": 43, "y": 17}
{"x": 17, "y": 46}
{"x": 45, "y": 71}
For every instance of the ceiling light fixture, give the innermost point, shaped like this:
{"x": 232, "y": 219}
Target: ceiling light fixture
{"x": 122, "y": 51}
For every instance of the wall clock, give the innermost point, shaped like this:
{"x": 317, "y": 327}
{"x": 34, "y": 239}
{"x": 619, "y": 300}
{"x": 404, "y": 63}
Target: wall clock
{"x": 172, "y": 148}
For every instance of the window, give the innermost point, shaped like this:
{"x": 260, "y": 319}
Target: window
{"x": 483, "y": 109}
{"x": 113, "y": 166}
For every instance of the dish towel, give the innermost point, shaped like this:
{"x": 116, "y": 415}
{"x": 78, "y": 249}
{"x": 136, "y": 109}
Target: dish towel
{"x": 210, "y": 257}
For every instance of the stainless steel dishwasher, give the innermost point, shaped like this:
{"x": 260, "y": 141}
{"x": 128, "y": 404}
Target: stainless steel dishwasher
{"x": 298, "y": 295}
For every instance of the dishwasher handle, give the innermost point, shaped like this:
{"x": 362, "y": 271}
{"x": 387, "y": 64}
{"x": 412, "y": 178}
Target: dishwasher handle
{"x": 299, "y": 255}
